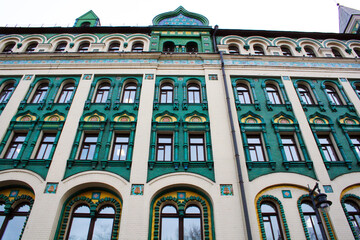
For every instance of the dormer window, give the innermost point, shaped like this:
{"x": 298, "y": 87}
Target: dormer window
{"x": 85, "y": 24}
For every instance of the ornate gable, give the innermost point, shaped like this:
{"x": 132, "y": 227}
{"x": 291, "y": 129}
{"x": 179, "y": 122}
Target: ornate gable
{"x": 180, "y": 17}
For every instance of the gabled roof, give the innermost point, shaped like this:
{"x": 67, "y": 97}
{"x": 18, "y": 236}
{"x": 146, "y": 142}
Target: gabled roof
{"x": 345, "y": 15}
{"x": 180, "y": 17}
{"x": 90, "y": 15}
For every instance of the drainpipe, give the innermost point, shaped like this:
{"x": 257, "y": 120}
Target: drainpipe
{"x": 240, "y": 176}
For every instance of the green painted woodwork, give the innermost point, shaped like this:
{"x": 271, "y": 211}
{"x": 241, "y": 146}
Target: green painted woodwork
{"x": 77, "y": 199}
{"x": 324, "y": 216}
{"x": 282, "y": 217}
{"x": 180, "y": 204}
{"x": 37, "y": 126}
{"x": 89, "y": 17}
{"x": 201, "y": 20}
{"x": 261, "y": 108}
{"x": 5, "y": 81}
{"x": 325, "y": 108}
{"x": 180, "y": 110}
{"x": 356, "y": 199}
{"x": 109, "y": 110}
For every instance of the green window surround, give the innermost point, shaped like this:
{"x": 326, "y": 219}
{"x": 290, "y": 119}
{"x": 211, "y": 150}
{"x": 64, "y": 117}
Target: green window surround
{"x": 356, "y": 87}
{"x": 251, "y": 88}
{"x": 328, "y": 128}
{"x": 256, "y": 127}
{"x": 5, "y": 97}
{"x": 282, "y": 94}
{"x": 333, "y": 106}
{"x": 94, "y": 86}
{"x": 33, "y": 87}
{"x": 356, "y": 199}
{"x": 281, "y": 216}
{"x": 175, "y": 97}
{"x": 324, "y": 216}
{"x": 311, "y": 88}
{"x": 58, "y": 87}
{"x": 292, "y": 129}
{"x": 350, "y": 126}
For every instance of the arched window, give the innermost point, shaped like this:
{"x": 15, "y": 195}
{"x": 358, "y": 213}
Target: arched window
{"x": 85, "y": 24}
{"x": 6, "y": 92}
{"x": 102, "y": 93}
{"x": 61, "y": 47}
{"x": 84, "y": 226}
{"x": 66, "y": 93}
{"x": 333, "y": 95}
{"x": 168, "y": 47}
{"x": 129, "y": 93}
{"x": 273, "y": 94}
{"x": 193, "y": 93}
{"x": 357, "y": 51}
{"x": 233, "y": 49}
{"x": 181, "y": 226}
{"x": 84, "y": 47}
{"x": 258, "y": 50}
{"x": 9, "y": 47}
{"x": 13, "y": 223}
{"x": 243, "y": 93}
{"x": 31, "y": 47}
{"x": 40, "y": 93}
{"x": 336, "y": 53}
{"x": 191, "y": 47}
{"x": 114, "y": 47}
{"x": 311, "y": 221}
{"x": 166, "y": 93}
{"x": 92, "y": 215}
{"x": 305, "y": 94}
{"x": 286, "y": 51}
{"x": 270, "y": 217}
{"x": 309, "y": 52}
{"x": 137, "y": 47}
{"x": 354, "y": 214}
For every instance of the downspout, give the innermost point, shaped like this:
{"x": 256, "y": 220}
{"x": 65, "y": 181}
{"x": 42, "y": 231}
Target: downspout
{"x": 240, "y": 176}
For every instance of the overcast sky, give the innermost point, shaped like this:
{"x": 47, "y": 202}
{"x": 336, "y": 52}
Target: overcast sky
{"x": 288, "y": 15}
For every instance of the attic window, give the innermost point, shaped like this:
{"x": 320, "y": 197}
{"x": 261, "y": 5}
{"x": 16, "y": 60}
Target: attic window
{"x": 85, "y": 24}
{"x": 233, "y": 49}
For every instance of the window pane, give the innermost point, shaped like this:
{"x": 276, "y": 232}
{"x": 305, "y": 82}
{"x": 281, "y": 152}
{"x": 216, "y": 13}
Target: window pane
{"x": 192, "y": 209}
{"x": 13, "y": 228}
{"x": 192, "y": 229}
{"x": 169, "y": 228}
{"x": 79, "y": 228}
{"x": 103, "y": 228}
{"x": 82, "y": 209}
{"x": 169, "y": 209}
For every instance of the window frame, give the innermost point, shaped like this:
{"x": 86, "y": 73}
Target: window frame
{"x": 309, "y": 52}
{"x": 269, "y": 215}
{"x": 328, "y": 146}
{"x": 61, "y": 46}
{"x": 40, "y": 93}
{"x": 31, "y": 47}
{"x": 333, "y": 95}
{"x": 200, "y": 148}
{"x": 285, "y": 50}
{"x": 291, "y": 148}
{"x": 6, "y": 91}
{"x": 7, "y": 48}
{"x": 83, "y": 46}
{"x": 233, "y": 49}
{"x": 136, "y": 46}
{"x": 130, "y": 92}
{"x": 312, "y": 216}
{"x": 192, "y": 47}
{"x": 166, "y": 92}
{"x": 305, "y": 95}
{"x": 121, "y": 144}
{"x": 111, "y": 47}
{"x": 49, "y": 145}
{"x": 14, "y": 142}
{"x": 14, "y": 212}
{"x": 258, "y": 50}
{"x": 88, "y": 146}
{"x": 247, "y": 91}
{"x": 353, "y": 217}
{"x": 256, "y": 147}
{"x": 102, "y": 92}
{"x": 194, "y": 94}
{"x": 68, "y": 93}
{"x": 272, "y": 91}
{"x": 163, "y": 147}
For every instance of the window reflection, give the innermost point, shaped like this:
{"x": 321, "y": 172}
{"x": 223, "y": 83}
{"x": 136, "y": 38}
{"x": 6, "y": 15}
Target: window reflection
{"x": 13, "y": 223}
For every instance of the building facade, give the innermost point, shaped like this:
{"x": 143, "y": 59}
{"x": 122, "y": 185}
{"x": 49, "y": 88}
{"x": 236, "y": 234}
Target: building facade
{"x": 178, "y": 130}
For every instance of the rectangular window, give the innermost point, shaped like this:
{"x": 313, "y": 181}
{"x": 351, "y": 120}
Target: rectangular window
{"x": 197, "y": 148}
{"x": 88, "y": 147}
{"x": 15, "y": 146}
{"x": 255, "y": 148}
{"x": 164, "y": 148}
{"x": 46, "y": 145}
{"x": 355, "y": 140}
{"x": 290, "y": 148}
{"x": 120, "y": 148}
{"x": 328, "y": 148}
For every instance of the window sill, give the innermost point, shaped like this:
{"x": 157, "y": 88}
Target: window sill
{"x": 181, "y": 165}
{"x": 270, "y": 106}
{"x": 23, "y": 163}
{"x": 345, "y": 163}
{"x": 250, "y": 165}
{"x": 94, "y": 163}
{"x": 291, "y": 164}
